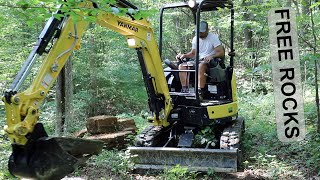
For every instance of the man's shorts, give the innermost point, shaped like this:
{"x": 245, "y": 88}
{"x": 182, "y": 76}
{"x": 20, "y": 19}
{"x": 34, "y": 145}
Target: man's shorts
{"x": 213, "y": 63}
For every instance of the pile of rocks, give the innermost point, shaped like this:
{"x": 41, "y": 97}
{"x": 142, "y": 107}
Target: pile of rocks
{"x": 111, "y": 130}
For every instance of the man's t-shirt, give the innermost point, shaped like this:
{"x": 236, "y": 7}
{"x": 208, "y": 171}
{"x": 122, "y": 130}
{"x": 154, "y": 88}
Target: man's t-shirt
{"x": 206, "y": 45}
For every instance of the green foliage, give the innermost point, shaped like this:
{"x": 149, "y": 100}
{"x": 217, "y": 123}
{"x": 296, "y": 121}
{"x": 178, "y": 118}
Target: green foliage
{"x": 258, "y": 113}
{"x": 275, "y": 168}
{"x": 177, "y": 172}
{"x": 177, "y": 32}
{"x": 108, "y": 80}
{"x": 48, "y": 117}
{"x": 5, "y": 151}
{"x": 110, "y": 164}
{"x": 116, "y": 161}
{"x": 316, "y": 4}
{"x": 205, "y": 137}
{"x": 211, "y": 174}
{"x": 263, "y": 150}
{"x": 43, "y": 9}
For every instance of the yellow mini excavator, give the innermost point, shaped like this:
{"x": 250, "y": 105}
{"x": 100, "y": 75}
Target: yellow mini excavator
{"x": 176, "y": 117}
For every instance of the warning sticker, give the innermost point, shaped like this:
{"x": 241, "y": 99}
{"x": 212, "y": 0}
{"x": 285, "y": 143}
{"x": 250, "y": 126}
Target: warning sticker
{"x": 46, "y": 81}
{"x": 149, "y": 36}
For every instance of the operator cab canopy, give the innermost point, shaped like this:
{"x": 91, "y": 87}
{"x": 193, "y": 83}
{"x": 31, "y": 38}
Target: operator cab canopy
{"x": 206, "y": 6}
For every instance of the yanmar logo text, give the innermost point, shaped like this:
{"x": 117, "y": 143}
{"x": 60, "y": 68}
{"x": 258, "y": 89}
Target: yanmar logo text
{"x": 127, "y": 26}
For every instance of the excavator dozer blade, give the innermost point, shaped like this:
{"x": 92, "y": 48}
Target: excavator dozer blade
{"x": 44, "y": 158}
{"x": 195, "y": 159}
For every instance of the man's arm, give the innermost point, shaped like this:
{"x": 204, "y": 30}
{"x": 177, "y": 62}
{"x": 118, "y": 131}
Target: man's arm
{"x": 190, "y": 54}
{"x": 219, "y": 53}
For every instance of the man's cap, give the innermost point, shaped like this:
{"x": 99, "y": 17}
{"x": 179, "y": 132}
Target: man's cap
{"x": 203, "y": 26}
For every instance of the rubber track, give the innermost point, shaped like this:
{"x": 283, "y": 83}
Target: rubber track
{"x": 231, "y": 135}
{"x": 147, "y": 137}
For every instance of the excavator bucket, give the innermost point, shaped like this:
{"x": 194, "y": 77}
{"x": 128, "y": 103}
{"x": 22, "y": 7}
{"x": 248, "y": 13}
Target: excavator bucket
{"x": 195, "y": 159}
{"x": 49, "y": 158}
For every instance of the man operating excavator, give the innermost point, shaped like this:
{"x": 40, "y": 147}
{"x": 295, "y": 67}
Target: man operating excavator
{"x": 211, "y": 53}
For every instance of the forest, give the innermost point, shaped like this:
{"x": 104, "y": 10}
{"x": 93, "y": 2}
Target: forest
{"x": 105, "y": 78}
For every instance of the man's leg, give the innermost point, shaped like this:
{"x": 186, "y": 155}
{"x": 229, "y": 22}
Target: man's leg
{"x": 201, "y": 77}
{"x": 183, "y": 77}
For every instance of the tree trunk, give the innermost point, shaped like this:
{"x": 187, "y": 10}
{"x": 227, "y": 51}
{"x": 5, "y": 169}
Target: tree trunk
{"x": 64, "y": 92}
{"x": 69, "y": 95}
{"x": 248, "y": 33}
{"x": 248, "y": 40}
{"x": 305, "y": 7}
{"x": 93, "y": 77}
{"x": 247, "y": 30}
{"x": 316, "y": 67}
{"x": 289, "y": 3}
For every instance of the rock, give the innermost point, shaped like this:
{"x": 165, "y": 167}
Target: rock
{"x": 112, "y": 131}
{"x": 127, "y": 124}
{"x": 101, "y": 124}
{"x": 79, "y": 146}
{"x": 80, "y": 133}
{"x": 113, "y": 140}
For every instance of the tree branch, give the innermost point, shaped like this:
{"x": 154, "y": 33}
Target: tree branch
{"x": 25, "y": 7}
{"x": 305, "y": 41}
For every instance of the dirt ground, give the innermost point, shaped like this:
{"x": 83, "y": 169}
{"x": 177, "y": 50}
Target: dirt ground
{"x": 90, "y": 172}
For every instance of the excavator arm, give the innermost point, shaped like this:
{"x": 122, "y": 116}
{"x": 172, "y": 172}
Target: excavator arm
{"x": 34, "y": 155}
{"x": 140, "y": 36}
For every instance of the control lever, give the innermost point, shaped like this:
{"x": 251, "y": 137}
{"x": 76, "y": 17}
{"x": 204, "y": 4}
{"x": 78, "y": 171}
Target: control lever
{"x": 170, "y": 64}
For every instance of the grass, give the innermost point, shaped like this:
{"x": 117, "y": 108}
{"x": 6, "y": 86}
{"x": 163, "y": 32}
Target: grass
{"x": 5, "y": 151}
{"x": 265, "y": 152}
{"x": 110, "y": 164}
{"x": 177, "y": 173}
{"x": 264, "y": 155}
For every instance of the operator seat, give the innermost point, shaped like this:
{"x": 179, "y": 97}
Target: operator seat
{"x": 217, "y": 72}
{"x": 218, "y": 80}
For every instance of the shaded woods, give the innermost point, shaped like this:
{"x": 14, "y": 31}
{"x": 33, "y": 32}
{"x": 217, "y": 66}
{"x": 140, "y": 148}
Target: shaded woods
{"x": 106, "y": 79}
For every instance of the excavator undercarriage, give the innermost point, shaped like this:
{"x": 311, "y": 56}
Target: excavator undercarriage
{"x": 158, "y": 149}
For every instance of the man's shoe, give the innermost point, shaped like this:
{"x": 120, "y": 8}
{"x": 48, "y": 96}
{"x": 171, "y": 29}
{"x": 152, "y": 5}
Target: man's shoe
{"x": 184, "y": 90}
{"x": 200, "y": 97}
